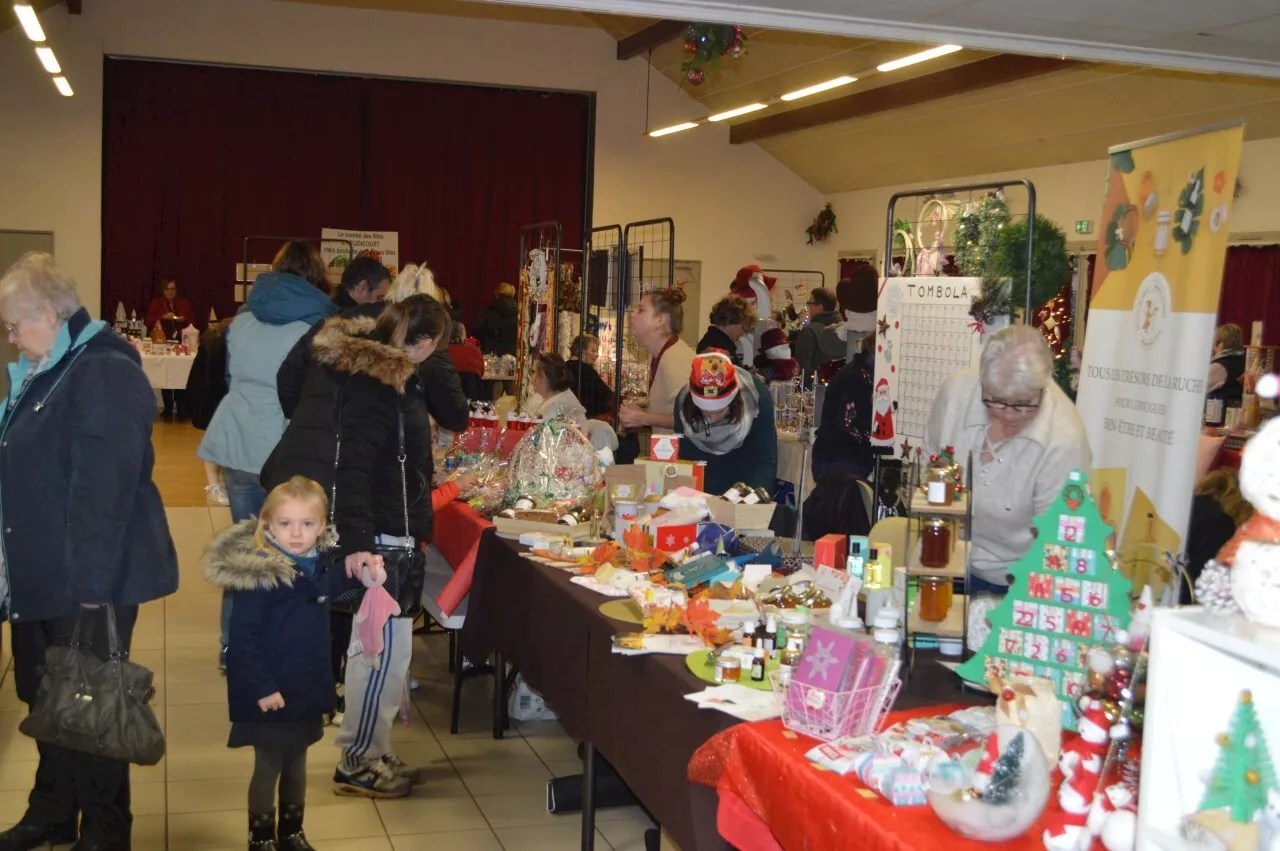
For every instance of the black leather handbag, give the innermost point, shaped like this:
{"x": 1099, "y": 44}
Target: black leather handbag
{"x": 406, "y": 566}
{"x": 98, "y": 707}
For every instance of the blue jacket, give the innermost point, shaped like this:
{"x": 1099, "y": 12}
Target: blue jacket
{"x": 82, "y": 519}
{"x": 279, "y": 640}
{"x": 249, "y": 422}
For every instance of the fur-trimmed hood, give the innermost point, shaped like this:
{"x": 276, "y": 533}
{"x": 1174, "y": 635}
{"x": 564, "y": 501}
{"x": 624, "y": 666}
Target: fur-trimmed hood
{"x": 233, "y": 563}
{"x": 343, "y": 343}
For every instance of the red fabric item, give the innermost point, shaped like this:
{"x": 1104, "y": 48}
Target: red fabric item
{"x": 763, "y": 764}
{"x": 739, "y": 826}
{"x": 467, "y": 357}
{"x": 1251, "y": 290}
{"x": 459, "y": 548}
{"x": 160, "y": 306}
{"x": 445, "y": 165}
{"x": 443, "y": 495}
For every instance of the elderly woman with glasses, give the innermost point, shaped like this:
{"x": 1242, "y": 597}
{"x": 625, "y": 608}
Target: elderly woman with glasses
{"x": 1023, "y": 435}
{"x": 83, "y": 527}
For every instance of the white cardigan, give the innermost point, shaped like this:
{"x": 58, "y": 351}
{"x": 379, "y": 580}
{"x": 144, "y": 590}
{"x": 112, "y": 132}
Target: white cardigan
{"x": 1024, "y": 476}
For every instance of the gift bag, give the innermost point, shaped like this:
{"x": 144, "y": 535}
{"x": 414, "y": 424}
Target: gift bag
{"x": 94, "y": 706}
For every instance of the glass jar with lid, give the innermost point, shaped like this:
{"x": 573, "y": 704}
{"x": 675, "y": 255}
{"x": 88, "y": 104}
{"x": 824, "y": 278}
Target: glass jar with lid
{"x": 940, "y": 486}
{"x": 935, "y": 544}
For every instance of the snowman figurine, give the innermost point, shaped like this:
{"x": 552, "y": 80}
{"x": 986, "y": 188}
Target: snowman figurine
{"x": 1253, "y": 554}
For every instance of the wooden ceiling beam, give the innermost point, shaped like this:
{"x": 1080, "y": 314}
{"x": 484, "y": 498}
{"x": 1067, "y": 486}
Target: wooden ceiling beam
{"x": 973, "y": 76}
{"x": 650, "y": 37}
{"x": 75, "y": 7}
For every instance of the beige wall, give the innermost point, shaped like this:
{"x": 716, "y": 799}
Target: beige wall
{"x": 1065, "y": 194}
{"x": 730, "y": 203}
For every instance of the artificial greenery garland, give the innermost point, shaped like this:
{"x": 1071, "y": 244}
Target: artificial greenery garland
{"x": 706, "y": 43}
{"x": 824, "y": 224}
{"x": 1050, "y": 264}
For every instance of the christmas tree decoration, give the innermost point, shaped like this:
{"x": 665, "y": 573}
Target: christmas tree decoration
{"x": 991, "y": 788}
{"x": 977, "y": 236}
{"x": 824, "y": 224}
{"x": 707, "y": 44}
{"x": 1243, "y": 773}
{"x": 1050, "y": 264}
{"x": 1066, "y": 597}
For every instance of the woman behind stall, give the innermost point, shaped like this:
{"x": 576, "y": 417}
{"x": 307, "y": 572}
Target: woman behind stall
{"x": 1024, "y": 437}
{"x": 1217, "y": 510}
{"x": 726, "y": 417}
{"x": 553, "y": 382}
{"x": 656, "y": 322}
{"x": 592, "y": 391}
{"x": 731, "y": 318}
{"x": 1227, "y": 366}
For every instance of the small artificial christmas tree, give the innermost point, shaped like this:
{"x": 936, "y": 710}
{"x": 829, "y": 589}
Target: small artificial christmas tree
{"x": 1005, "y": 774}
{"x": 1066, "y": 596}
{"x": 1243, "y": 773}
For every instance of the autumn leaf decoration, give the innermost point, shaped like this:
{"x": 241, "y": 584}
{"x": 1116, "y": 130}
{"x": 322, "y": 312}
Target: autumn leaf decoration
{"x": 600, "y": 556}
{"x": 641, "y": 554}
{"x": 701, "y": 620}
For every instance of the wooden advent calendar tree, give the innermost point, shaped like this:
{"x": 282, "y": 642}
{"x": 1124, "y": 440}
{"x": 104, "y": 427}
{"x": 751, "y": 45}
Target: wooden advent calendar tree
{"x": 1065, "y": 597}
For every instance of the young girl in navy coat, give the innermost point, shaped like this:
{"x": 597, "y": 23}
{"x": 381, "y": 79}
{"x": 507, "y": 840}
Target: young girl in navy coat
{"x": 279, "y": 680}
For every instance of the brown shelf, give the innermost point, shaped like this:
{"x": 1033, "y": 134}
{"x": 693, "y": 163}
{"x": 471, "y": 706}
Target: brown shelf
{"x": 955, "y": 568}
{"x": 952, "y": 626}
{"x": 920, "y": 507}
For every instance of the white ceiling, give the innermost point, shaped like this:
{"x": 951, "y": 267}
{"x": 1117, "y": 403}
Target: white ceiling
{"x": 1226, "y": 36}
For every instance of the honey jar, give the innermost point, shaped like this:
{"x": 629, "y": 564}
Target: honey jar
{"x": 935, "y": 544}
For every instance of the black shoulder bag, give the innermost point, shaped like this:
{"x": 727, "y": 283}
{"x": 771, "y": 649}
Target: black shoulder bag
{"x": 406, "y": 566}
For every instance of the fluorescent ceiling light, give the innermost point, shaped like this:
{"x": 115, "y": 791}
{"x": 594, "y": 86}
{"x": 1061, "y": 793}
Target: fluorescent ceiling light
{"x": 922, "y": 56}
{"x": 64, "y": 88}
{"x": 675, "y": 128}
{"x": 48, "y": 60}
{"x": 820, "y": 87}
{"x": 734, "y": 113}
{"x": 30, "y": 23}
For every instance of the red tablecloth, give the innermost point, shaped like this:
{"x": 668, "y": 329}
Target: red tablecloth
{"x": 458, "y": 528}
{"x": 771, "y": 797}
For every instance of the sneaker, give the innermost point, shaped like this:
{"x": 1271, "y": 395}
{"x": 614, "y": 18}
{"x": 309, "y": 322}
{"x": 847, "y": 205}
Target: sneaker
{"x": 414, "y": 685}
{"x": 372, "y": 780}
{"x": 399, "y": 767}
{"x": 216, "y": 495}
{"x": 335, "y": 719}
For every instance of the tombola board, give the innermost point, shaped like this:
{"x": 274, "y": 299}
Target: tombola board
{"x": 923, "y": 334}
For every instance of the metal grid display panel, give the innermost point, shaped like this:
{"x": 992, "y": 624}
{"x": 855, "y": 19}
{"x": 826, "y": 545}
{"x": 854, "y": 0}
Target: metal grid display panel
{"x": 648, "y": 265}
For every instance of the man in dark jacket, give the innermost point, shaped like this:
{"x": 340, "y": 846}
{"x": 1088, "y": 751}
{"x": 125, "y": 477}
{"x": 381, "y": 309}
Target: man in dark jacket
{"x": 83, "y": 527}
{"x": 364, "y": 281}
{"x": 822, "y": 313}
{"x": 496, "y": 327}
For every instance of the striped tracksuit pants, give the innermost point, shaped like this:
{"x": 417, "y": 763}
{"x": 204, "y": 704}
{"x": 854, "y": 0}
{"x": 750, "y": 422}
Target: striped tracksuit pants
{"x": 372, "y": 697}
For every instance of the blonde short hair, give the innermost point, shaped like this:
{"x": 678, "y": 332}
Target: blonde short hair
{"x": 1016, "y": 362}
{"x": 1230, "y": 336}
{"x": 297, "y": 489}
{"x": 35, "y": 281}
{"x": 505, "y": 290}
{"x": 416, "y": 280}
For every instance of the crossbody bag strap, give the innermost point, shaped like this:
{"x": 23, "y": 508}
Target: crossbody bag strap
{"x": 401, "y": 456}
{"x": 337, "y": 456}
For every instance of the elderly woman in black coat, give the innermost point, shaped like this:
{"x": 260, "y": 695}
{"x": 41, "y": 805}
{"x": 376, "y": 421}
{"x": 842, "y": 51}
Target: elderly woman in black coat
{"x": 83, "y": 526}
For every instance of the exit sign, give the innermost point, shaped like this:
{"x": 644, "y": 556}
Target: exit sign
{"x": 1084, "y": 226}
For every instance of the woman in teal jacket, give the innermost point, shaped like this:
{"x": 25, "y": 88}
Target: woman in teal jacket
{"x": 283, "y": 305}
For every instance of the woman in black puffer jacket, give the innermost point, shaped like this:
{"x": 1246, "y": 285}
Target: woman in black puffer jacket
{"x": 360, "y": 396}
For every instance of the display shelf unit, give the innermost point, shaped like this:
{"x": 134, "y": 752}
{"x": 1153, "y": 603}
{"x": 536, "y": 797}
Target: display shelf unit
{"x": 952, "y": 626}
{"x": 1199, "y": 664}
{"x": 955, "y": 568}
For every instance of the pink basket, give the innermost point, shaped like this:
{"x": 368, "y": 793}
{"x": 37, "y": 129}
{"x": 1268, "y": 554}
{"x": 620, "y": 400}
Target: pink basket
{"x": 831, "y": 715}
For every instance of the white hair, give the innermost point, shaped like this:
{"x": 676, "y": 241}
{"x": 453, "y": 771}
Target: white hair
{"x": 1016, "y": 362}
{"x": 35, "y": 281}
{"x": 413, "y": 280}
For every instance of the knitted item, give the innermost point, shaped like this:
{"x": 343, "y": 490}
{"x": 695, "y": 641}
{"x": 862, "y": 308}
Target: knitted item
{"x": 1213, "y": 589}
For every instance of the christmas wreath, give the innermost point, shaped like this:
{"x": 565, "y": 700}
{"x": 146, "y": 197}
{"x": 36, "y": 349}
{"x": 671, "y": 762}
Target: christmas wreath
{"x": 706, "y": 44}
{"x": 824, "y": 224}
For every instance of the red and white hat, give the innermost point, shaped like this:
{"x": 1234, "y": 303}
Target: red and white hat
{"x": 773, "y": 338}
{"x": 713, "y": 381}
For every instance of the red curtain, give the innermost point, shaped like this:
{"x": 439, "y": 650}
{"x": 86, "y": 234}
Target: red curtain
{"x": 196, "y": 158}
{"x": 1251, "y": 290}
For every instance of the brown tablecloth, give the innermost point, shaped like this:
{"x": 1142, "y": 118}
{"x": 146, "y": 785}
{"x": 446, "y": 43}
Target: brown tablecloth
{"x": 632, "y": 708}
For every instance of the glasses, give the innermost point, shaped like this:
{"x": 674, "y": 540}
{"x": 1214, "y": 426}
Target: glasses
{"x": 1000, "y": 405}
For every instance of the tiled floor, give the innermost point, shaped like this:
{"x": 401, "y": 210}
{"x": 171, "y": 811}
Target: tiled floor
{"x": 476, "y": 794}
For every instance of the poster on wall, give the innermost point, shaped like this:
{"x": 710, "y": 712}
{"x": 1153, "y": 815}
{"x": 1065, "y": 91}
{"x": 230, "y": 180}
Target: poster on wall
{"x": 1152, "y": 312}
{"x": 923, "y": 334}
{"x": 381, "y": 245}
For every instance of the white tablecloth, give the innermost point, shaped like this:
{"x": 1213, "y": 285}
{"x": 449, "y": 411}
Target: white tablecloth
{"x": 167, "y": 372}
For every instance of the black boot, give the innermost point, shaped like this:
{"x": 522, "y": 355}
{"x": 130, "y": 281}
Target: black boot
{"x": 291, "y": 835}
{"x": 262, "y": 832}
{"x": 24, "y": 837}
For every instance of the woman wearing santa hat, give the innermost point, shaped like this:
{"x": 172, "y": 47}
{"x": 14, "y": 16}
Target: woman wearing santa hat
{"x": 726, "y": 417}
{"x": 775, "y": 363}
{"x": 1024, "y": 437}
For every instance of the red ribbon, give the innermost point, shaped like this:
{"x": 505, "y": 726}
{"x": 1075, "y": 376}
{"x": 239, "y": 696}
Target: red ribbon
{"x": 977, "y": 327}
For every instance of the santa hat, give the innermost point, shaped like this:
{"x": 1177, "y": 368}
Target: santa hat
{"x": 713, "y": 381}
{"x": 1083, "y": 784}
{"x": 1094, "y": 713}
{"x": 990, "y": 753}
{"x": 883, "y": 382}
{"x": 746, "y": 273}
{"x": 773, "y": 338}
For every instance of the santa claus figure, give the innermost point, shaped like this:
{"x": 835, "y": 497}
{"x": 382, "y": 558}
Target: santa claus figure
{"x": 1086, "y": 753}
{"x": 752, "y": 284}
{"x": 883, "y": 407}
{"x": 1113, "y": 818}
{"x": 1068, "y": 830}
{"x": 775, "y": 362}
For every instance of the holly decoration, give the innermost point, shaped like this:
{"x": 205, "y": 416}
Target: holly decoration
{"x": 1006, "y": 773}
{"x": 706, "y": 44}
{"x": 1243, "y": 773}
{"x": 1065, "y": 597}
{"x": 945, "y": 460}
{"x": 824, "y": 224}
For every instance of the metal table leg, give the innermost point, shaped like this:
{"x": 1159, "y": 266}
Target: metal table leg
{"x": 588, "y": 796}
{"x": 499, "y": 695}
